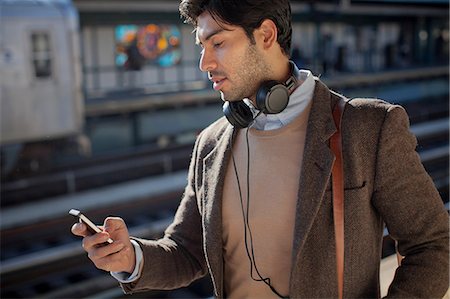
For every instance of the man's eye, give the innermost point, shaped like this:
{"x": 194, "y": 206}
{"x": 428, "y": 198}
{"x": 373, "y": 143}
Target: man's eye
{"x": 217, "y": 45}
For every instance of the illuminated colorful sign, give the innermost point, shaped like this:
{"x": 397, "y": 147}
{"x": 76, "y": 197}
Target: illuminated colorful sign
{"x": 148, "y": 44}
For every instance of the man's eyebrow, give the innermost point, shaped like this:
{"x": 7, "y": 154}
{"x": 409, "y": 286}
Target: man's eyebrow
{"x": 209, "y": 36}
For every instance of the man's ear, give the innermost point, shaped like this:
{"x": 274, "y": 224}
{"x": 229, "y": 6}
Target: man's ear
{"x": 267, "y": 33}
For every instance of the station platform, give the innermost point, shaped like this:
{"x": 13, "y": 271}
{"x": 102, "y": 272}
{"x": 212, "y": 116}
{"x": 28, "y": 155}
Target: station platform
{"x": 359, "y": 85}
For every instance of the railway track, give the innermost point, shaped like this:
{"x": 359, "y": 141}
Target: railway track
{"x": 94, "y": 173}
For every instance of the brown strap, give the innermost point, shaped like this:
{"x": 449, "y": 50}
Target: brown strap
{"x": 338, "y": 194}
{"x": 399, "y": 256}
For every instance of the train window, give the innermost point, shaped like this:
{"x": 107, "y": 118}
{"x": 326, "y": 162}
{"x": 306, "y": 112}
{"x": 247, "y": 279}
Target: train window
{"x": 41, "y": 54}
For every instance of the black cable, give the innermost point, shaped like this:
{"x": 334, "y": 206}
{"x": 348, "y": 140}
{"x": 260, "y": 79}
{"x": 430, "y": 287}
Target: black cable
{"x": 245, "y": 215}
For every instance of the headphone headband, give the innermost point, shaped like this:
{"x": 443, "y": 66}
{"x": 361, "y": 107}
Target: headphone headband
{"x": 293, "y": 81}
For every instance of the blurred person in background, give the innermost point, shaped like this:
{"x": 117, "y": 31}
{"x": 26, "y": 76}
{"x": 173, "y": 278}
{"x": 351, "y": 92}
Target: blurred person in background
{"x": 257, "y": 214}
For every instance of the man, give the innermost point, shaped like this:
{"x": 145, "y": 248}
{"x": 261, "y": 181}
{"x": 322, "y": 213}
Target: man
{"x": 257, "y": 211}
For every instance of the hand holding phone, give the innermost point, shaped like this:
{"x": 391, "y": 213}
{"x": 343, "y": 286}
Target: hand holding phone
{"x": 117, "y": 255}
{"x": 92, "y": 228}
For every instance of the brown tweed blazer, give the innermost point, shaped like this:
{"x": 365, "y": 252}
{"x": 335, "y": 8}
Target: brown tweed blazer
{"x": 385, "y": 182}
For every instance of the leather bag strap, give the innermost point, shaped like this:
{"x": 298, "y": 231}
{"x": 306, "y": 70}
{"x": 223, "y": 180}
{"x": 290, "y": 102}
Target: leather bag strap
{"x": 337, "y": 176}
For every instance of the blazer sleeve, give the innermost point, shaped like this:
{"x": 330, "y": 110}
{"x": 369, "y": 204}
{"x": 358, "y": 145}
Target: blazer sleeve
{"x": 413, "y": 212}
{"x": 177, "y": 259}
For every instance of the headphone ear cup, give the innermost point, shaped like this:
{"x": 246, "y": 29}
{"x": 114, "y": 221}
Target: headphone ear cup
{"x": 272, "y": 97}
{"x": 238, "y": 114}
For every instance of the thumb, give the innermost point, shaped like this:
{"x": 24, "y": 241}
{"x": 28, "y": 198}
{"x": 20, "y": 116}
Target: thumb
{"x": 115, "y": 225}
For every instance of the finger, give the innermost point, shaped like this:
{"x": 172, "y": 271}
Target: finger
{"x": 79, "y": 229}
{"x": 109, "y": 249}
{"x": 117, "y": 228}
{"x": 112, "y": 224}
{"x": 95, "y": 240}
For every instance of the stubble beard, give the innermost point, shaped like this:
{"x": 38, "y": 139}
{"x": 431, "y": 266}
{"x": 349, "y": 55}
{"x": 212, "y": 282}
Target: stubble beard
{"x": 250, "y": 73}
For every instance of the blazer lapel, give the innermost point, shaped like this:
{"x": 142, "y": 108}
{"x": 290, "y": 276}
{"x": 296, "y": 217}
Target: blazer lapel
{"x": 214, "y": 168}
{"x": 317, "y": 163}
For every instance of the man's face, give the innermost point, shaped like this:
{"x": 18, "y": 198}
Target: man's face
{"x": 233, "y": 63}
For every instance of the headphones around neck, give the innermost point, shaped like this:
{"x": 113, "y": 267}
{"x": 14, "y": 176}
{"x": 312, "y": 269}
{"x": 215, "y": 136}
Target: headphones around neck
{"x": 272, "y": 98}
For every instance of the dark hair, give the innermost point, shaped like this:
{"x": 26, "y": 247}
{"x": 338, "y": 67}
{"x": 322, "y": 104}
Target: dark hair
{"x": 248, "y": 14}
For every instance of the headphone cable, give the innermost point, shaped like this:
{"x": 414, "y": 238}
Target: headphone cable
{"x": 245, "y": 215}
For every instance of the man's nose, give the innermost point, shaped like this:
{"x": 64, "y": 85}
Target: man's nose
{"x": 207, "y": 61}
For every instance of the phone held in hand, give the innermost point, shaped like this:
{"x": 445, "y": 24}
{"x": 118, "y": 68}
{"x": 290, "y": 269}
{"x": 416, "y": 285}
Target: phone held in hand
{"x": 92, "y": 228}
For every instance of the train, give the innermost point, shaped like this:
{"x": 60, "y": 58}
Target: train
{"x": 41, "y": 96}
{"x": 41, "y": 85}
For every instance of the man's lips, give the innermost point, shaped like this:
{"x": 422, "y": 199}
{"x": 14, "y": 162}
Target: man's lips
{"x": 217, "y": 84}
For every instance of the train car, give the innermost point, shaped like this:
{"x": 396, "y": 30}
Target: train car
{"x": 41, "y": 80}
{"x": 40, "y": 70}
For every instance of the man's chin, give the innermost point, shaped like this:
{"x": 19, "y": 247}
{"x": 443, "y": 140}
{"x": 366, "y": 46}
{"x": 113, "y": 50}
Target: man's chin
{"x": 228, "y": 98}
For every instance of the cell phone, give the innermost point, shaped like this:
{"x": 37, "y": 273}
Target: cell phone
{"x": 92, "y": 228}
